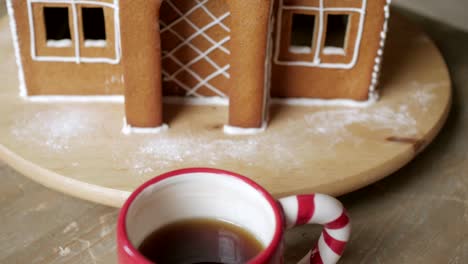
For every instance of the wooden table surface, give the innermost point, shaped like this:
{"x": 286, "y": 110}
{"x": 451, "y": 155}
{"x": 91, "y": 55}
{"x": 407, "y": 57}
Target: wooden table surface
{"x": 417, "y": 215}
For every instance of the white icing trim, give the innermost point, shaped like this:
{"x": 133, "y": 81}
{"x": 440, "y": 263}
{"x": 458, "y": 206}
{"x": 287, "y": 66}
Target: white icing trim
{"x": 61, "y": 43}
{"x": 76, "y": 98}
{"x": 205, "y": 81}
{"x": 326, "y": 9}
{"x": 208, "y": 12}
{"x": 233, "y": 130}
{"x": 213, "y": 100}
{"x": 320, "y": 34}
{"x": 76, "y": 39}
{"x": 300, "y": 49}
{"x": 202, "y": 55}
{"x": 83, "y": 2}
{"x": 200, "y": 31}
{"x": 95, "y": 43}
{"x": 323, "y": 102}
{"x": 14, "y": 33}
{"x": 128, "y": 129}
{"x": 75, "y": 32}
{"x": 207, "y": 58}
{"x": 321, "y": 9}
{"x": 333, "y": 51}
{"x": 378, "y": 59}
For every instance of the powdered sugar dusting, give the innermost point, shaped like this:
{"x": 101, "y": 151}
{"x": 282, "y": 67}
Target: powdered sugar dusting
{"x": 334, "y": 124}
{"x": 325, "y": 128}
{"x": 54, "y": 129}
{"x": 164, "y": 151}
{"x": 424, "y": 93}
{"x": 64, "y": 130}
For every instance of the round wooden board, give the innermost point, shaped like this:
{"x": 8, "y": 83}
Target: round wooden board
{"x": 78, "y": 148}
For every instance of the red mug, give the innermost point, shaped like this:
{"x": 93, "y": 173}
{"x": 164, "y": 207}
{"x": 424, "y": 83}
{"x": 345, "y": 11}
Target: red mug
{"x": 218, "y": 194}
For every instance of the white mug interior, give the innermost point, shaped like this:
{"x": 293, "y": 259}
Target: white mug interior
{"x": 200, "y": 195}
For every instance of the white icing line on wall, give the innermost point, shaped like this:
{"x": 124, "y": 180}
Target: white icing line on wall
{"x": 373, "y": 93}
{"x": 323, "y": 102}
{"x": 127, "y": 129}
{"x": 118, "y": 51}
{"x": 209, "y": 77}
{"x": 213, "y": 100}
{"x": 84, "y": 2}
{"x": 76, "y": 39}
{"x": 326, "y": 9}
{"x": 233, "y": 130}
{"x": 333, "y": 51}
{"x": 319, "y": 35}
{"x": 202, "y": 55}
{"x": 75, "y": 32}
{"x": 183, "y": 16}
{"x": 208, "y": 12}
{"x": 207, "y": 58}
{"x": 32, "y": 31}
{"x": 76, "y": 98}
{"x": 61, "y": 43}
{"x": 73, "y": 59}
{"x": 98, "y": 43}
{"x": 316, "y": 61}
{"x": 300, "y": 49}
{"x": 14, "y": 33}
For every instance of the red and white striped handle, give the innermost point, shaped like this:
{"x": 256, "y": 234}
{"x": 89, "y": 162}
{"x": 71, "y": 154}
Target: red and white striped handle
{"x": 324, "y": 210}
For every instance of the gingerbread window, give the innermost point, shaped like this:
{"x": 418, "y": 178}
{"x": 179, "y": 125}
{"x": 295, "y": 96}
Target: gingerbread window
{"x": 57, "y": 26}
{"x": 74, "y": 31}
{"x": 302, "y": 33}
{"x": 319, "y": 33}
{"x": 336, "y": 35}
{"x": 94, "y": 26}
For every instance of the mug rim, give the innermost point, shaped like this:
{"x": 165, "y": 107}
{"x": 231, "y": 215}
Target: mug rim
{"x": 266, "y": 254}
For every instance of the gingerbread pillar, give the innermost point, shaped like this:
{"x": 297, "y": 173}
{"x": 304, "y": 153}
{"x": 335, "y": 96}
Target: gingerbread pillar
{"x": 249, "y": 34}
{"x": 141, "y": 58}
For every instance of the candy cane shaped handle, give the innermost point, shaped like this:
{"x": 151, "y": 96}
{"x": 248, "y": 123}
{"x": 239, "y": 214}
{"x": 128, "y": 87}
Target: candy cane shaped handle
{"x": 324, "y": 210}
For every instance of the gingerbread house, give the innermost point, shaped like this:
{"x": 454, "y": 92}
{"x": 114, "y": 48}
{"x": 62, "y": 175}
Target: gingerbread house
{"x": 238, "y": 52}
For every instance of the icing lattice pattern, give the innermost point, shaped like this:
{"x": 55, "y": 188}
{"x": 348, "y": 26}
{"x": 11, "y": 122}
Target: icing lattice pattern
{"x": 195, "y": 56}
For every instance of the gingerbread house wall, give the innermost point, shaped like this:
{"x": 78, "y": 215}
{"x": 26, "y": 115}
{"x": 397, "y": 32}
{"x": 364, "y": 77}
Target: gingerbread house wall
{"x": 60, "y": 71}
{"x": 74, "y": 69}
{"x": 318, "y": 75}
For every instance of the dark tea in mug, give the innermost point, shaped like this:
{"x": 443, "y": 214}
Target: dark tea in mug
{"x": 200, "y": 241}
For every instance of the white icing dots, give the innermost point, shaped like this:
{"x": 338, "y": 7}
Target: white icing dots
{"x": 380, "y": 52}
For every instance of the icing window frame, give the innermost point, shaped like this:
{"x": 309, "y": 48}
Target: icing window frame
{"x": 346, "y": 55}
{"x": 321, "y": 56}
{"x": 103, "y": 48}
{"x": 288, "y": 51}
{"x": 40, "y": 44}
{"x": 76, "y": 50}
